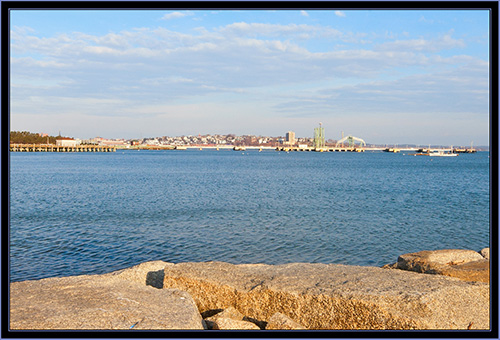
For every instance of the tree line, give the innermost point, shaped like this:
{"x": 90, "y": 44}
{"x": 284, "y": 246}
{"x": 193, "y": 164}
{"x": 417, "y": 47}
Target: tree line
{"x": 25, "y": 137}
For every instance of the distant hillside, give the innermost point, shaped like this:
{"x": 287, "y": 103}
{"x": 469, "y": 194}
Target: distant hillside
{"x": 25, "y": 137}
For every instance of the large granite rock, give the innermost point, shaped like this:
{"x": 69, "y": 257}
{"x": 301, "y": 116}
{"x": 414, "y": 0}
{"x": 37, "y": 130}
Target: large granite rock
{"x": 467, "y": 265}
{"x": 291, "y": 296}
{"x": 326, "y": 296}
{"x": 120, "y": 300}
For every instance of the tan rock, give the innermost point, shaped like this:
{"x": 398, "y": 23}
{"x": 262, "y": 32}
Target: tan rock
{"x": 327, "y": 296}
{"x": 281, "y": 321}
{"x": 100, "y": 302}
{"x": 390, "y": 266}
{"x": 230, "y": 324}
{"x": 228, "y": 313}
{"x": 466, "y": 265}
{"x": 485, "y": 253}
{"x": 147, "y": 273}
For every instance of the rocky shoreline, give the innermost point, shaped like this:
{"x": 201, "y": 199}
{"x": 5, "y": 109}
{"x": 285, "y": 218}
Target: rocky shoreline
{"x": 428, "y": 290}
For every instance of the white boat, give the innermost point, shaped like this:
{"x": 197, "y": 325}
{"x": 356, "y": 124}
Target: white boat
{"x": 442, "y": 153}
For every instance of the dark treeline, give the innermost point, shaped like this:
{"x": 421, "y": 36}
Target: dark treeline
{"x": 25, "y": 137}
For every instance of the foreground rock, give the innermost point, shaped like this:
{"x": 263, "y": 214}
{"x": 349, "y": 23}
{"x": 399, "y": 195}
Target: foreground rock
{"x": 281, "y": 321}
{"x": 160, "y": 295}
{"x": 120, "y": 300}
{"x": 485, "y": 253}
{"x": 327, "y": 296}
{"x": 231, "y": 324}
{"x": 466, "y": 265}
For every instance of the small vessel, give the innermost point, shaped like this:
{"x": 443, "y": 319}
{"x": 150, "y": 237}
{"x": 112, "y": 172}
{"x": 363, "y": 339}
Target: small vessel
{"x": 442, "y": 153}
{"x": 436, "y": 153}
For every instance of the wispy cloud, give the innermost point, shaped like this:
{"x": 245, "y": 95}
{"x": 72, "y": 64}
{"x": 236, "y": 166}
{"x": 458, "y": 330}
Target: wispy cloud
{"x": 176, "y": 15}
{"x": 339, "y": 13}
{"x": 423, "y": 19}
{"x": 444, "y": 42}
{"x": 304, "y": 13}
{"x": 291, "y": 70}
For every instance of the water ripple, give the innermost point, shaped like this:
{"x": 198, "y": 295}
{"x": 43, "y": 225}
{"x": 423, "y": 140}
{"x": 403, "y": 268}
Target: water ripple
{"x": 93, "y": 213}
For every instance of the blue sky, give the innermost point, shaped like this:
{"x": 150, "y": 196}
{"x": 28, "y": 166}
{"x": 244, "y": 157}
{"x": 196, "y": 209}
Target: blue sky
{"x": 405, "y": 76}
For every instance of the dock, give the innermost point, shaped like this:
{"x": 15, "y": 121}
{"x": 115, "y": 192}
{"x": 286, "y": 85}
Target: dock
{"x": 326, "y": 149}
{"x": 57, "y": 148}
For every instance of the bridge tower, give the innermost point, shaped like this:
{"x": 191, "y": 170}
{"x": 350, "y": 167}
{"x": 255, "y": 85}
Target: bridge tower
{"x": 319, "y": 137}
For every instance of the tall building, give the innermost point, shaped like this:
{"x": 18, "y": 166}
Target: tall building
{"x": 290, "y": 138}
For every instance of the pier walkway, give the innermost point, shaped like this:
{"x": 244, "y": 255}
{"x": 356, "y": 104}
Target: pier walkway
{"x": 56, "y": 148}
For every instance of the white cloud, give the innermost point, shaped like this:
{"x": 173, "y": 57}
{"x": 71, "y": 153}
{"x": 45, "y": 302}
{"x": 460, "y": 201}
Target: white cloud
{"x": 428, "y": 21}
{"x": 304, "y": 13}
{"x": 444, "y": 42}
{"x": 176, "y": 15}
{"x": 462, "y": 91}
{"x": 243, "y": 28}
{"x": 116, "y": 74}
{"x": 339, "y": 13}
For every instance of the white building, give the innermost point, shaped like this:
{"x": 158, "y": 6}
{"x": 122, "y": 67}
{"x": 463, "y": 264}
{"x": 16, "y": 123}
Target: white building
{"x": 65, "y": 141}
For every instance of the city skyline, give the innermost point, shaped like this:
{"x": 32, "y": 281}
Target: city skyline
{"x": 408, "y": 76}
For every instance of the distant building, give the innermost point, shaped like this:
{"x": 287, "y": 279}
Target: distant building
{"x": 65, "y": 141}
{"x": 112, "y": 142}
{"x": 290, "y": 138}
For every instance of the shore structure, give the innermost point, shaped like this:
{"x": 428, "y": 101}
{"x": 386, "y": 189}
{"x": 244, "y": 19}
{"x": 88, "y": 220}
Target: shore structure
{"x": 60, "y": 148}
{"x": 429, "y": 290}
{"x": 285, "y": 148}
{"x": 322, "y": 149}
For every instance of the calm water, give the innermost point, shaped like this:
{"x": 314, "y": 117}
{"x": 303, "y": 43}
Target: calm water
{"x": 85, "y": 213}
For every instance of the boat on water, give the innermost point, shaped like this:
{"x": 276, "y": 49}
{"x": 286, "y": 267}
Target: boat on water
{"x": 437, "y": 153}
{"x": 465, "y": 150}
{"x": 394, "y": 150}
{"x": 442, "y": 153}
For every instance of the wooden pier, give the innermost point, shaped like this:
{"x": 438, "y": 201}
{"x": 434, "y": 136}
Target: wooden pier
{"x": 56, "y": 148}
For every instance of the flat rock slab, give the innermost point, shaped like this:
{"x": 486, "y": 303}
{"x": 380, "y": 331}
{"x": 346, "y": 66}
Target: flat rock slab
{"x": 466, "y": 265}
{"x": 329, "y": 296}
{"x": 100, "y": 302}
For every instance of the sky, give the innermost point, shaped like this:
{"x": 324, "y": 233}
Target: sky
{"x": 386, "y": 76}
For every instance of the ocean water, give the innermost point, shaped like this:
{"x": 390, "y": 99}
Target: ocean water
{"x": 90, "y": 213}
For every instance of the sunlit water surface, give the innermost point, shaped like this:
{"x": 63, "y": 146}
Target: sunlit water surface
{"x": 87, "y": 213}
